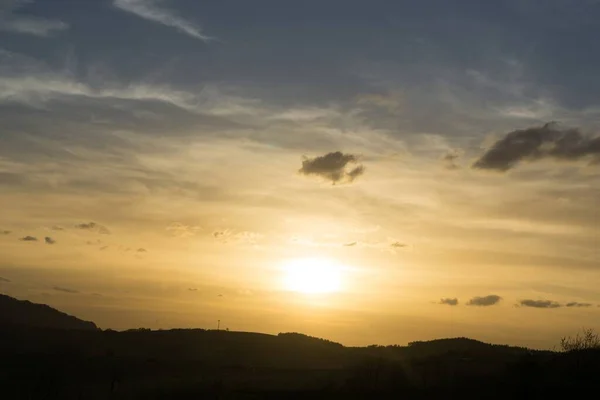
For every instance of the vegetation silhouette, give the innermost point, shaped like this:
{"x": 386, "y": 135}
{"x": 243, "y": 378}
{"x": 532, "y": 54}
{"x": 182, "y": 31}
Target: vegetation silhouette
{"x": 47, "y": 354}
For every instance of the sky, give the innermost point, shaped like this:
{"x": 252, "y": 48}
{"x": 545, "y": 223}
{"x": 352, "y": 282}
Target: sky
{"x": 167, "y": 163}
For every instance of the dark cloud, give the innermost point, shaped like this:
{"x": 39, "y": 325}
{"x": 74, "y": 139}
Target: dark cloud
{"x": 219, "y": 234}
{"x": 548, "y": 141}
{"x": 576, "y": 304}
{"x": 484, "y": 301}
{"x": 539, "y": 303}
{"x": 28, "y": 239}
{"x": 449, "y": 160}
{"x": 332, "y": 166}
{"x": 4, "y": 279}
{"x": 49, "y": 240}
{"x": 103, "y": 248}
{"x": 141, "y": 250}
{"x": 192, "y": 289}
{"x": 450, "y": 302}
{"x": 398, "y": 245}
{"x": 5, "y": 232}
{"x": 65, "y": 290}
{"x": 93, "y": 227}
{"x": 351, "y": 244}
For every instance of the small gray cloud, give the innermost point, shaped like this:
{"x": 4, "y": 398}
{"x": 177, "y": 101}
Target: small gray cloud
{"x": 536, "y": 143}
{"x": 449, "y": 160}
{"x": 333, "y": 167}
{"x": 449, "y": 301}
{"x": 484, "y": 301}
{"x": 351, "y": 244}
{"x": 93, "y": 227}
{"x": 5, "y": 232}
{"x": 142, "y": 250}
{"x": 49, "y": 240}
{"x": 539, "y": 303}
{"x": 576, "y": 304}
{"x": 57, "y": 228}
{"x": 192, "y": 289}
{"x": 398, "y": 245}
{"x": 65, "y": 290}
{"x": 4, "y": 280}
{"x": 103, "y": 248}
{"x": 28, "y": 239}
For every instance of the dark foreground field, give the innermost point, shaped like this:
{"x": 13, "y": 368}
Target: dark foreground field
{"x": 41, "y": 362}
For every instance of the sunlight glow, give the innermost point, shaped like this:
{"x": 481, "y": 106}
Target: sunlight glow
{"x": 312, "y": 275}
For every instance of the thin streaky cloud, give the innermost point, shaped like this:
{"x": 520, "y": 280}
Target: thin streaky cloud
{"x": 11, "y": 22}
{"x": 150, "y": 10}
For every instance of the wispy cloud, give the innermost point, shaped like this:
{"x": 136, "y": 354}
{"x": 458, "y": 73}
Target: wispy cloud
{"x": 28, "y": 239}
{"x": 576, "y": 304}
{"x": 65, "y": 290}
{"x": 449, "y": 301}
{"x": 17, "y": 23}
{"x": 539, "y": 303}
{"x": 152, "y": 11}
{"x": 49, "y": 240}
{"x": 93, "y": 227}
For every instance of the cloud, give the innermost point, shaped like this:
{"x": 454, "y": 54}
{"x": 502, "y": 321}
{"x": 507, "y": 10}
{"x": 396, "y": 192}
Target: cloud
{"x": 65, "y": 290}
{"x": 450, "y": 302}
{"x": 150, "y": 10}
{"x": 16, "y": 23}
{"x": 28, "y": 239}
{"x": 49, "y": 240}
{"x": 351, "y": 244}
{"x": 178, "y": 229}
{"x": 539, "y": 303}
{"x": 398, "y": 245}
{"x": 332, "y": 166}
{"x": 57, "y": 228}
{"x": 243, "y": 237}
{"x": 484, "y": 301}
{"x": 93, "y": 227}
{"x": 142, "y": 250}
{"x": 536, "y": 143}
{"x": 449, "y": 160}
{"x": 4, "y": 280}
{"x": 5, "y": 232}
{"x": 576, "y": 304}
{"x": 192, "y": 289}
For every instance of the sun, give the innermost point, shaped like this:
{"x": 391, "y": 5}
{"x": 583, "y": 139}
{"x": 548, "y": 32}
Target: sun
{"x": 312, "y": 275}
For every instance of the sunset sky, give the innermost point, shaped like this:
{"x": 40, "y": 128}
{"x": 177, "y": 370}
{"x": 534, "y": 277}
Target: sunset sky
{"x": 363, "y": 171}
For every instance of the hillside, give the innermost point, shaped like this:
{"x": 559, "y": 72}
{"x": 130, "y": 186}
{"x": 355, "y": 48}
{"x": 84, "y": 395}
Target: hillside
{"x": 90, "y": 363}
{"x": 26, "y": 313}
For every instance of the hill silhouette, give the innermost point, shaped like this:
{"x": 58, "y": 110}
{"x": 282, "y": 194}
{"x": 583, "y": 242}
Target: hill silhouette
{"x": 23, "y": 312}
{"x": 51, "y": 362}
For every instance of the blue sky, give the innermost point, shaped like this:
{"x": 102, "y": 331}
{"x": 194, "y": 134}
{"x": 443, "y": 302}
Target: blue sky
{"x": 235, "y": 126}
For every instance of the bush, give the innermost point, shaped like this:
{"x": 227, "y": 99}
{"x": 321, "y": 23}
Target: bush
{"x": 588, "y": 339}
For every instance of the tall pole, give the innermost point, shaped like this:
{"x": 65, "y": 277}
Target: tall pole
{"x": 218, "y": 324}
